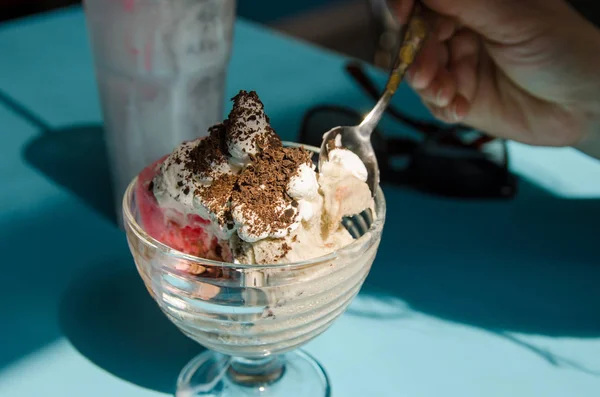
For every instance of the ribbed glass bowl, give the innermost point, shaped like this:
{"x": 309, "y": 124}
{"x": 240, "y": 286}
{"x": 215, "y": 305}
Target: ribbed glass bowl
{"x": 250, "y": 315}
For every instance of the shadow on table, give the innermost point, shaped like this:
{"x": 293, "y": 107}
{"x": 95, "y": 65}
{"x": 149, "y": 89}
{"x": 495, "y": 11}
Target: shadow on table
{"x": 530, "y": 266}
{"x": 75, "y": 158}
{"x": 110, "y": 318}
{"x": 106, "y": 313}
{"x": 45, "y": 246}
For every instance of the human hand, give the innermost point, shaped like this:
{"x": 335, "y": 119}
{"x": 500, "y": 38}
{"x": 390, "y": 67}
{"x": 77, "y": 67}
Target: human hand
{"x": 526, "y": 70}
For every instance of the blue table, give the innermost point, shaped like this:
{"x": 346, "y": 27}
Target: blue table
{"x": 465, "y": 299}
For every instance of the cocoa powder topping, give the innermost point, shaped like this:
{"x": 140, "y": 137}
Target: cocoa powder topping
{"x": 210, "y": 152}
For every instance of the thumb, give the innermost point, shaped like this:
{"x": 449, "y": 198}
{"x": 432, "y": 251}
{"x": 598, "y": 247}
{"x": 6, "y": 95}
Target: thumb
{"x": 503, "y": 21}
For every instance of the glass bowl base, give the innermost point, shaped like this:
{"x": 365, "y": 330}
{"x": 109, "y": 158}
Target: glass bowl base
{"x": 211, "y": 374}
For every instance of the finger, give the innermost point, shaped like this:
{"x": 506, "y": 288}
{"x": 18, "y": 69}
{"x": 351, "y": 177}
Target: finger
{"x": 499, "y": 20}
{"x": 458, "y": 110}
{"x": 464, "y": 55}
{"x": 437, "y": 112}
{"x": 443, "y": 27}
{"x": 465, "y": 75}
{"x": 463, "y": 44}
{"x": 444, "y": 55}
{"x": 402, "y": 9}
{"x": 426, "y": 66}
{"x": 441, "y": 91}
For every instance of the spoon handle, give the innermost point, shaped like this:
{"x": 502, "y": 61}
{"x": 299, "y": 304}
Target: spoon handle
{"x": 414, "y": 38}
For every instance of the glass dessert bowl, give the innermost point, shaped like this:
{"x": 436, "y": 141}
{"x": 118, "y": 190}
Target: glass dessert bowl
{"x": 253, "y": 318}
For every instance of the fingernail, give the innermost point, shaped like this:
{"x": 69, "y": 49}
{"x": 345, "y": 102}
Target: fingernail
{"x": 428, "y": 99}
{"x": 440, "y": 99}
{"x": 415, "y": 81}
{"x": 454, "y": 114}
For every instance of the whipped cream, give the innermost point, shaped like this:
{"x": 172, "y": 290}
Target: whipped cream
{"x": 304, "y": 188}
{"x": 240, "y": 178}
{"x": 349, "y": 161}
{"x": 179, "y": 186}
{"x": 248, "y": 129}
{"x": 304, "y": 185}
{"x": 344, "y": 158}
{"x": 251, "y": 228}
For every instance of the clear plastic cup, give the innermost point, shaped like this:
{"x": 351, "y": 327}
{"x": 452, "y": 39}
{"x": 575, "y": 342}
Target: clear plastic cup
{"x": 161, "y": 67}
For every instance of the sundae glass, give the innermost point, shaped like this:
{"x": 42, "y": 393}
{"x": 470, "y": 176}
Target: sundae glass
{"x": 252, "y": 318}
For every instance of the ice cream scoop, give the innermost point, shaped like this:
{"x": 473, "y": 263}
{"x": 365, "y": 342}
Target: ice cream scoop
{"x": 241, "y": 195}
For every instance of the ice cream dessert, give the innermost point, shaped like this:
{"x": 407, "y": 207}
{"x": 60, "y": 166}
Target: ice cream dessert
{"x": 240, "y": 196}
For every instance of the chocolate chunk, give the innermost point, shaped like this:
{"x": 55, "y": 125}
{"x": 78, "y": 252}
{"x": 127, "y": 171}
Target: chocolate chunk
{"x": 261, "y": 190}
{"x": 209, "y": 152}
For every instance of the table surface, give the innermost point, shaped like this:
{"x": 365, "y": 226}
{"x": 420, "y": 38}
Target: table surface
{"x": 465, "y": 298}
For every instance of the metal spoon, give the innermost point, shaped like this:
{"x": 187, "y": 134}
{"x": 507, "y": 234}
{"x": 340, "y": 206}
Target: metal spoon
{"x": 358, "y": 138}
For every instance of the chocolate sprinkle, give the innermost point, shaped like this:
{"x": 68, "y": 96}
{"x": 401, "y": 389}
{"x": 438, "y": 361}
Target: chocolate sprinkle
{"x": 285, "y": 248}
{"x": 239, "y": 124}
{"x": 208, "y": 153}
{"x": 261, "y": 190}
{"x": 217, "y": 197}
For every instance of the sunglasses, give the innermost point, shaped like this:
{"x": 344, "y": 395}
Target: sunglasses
{"x": 446, "y": 160}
